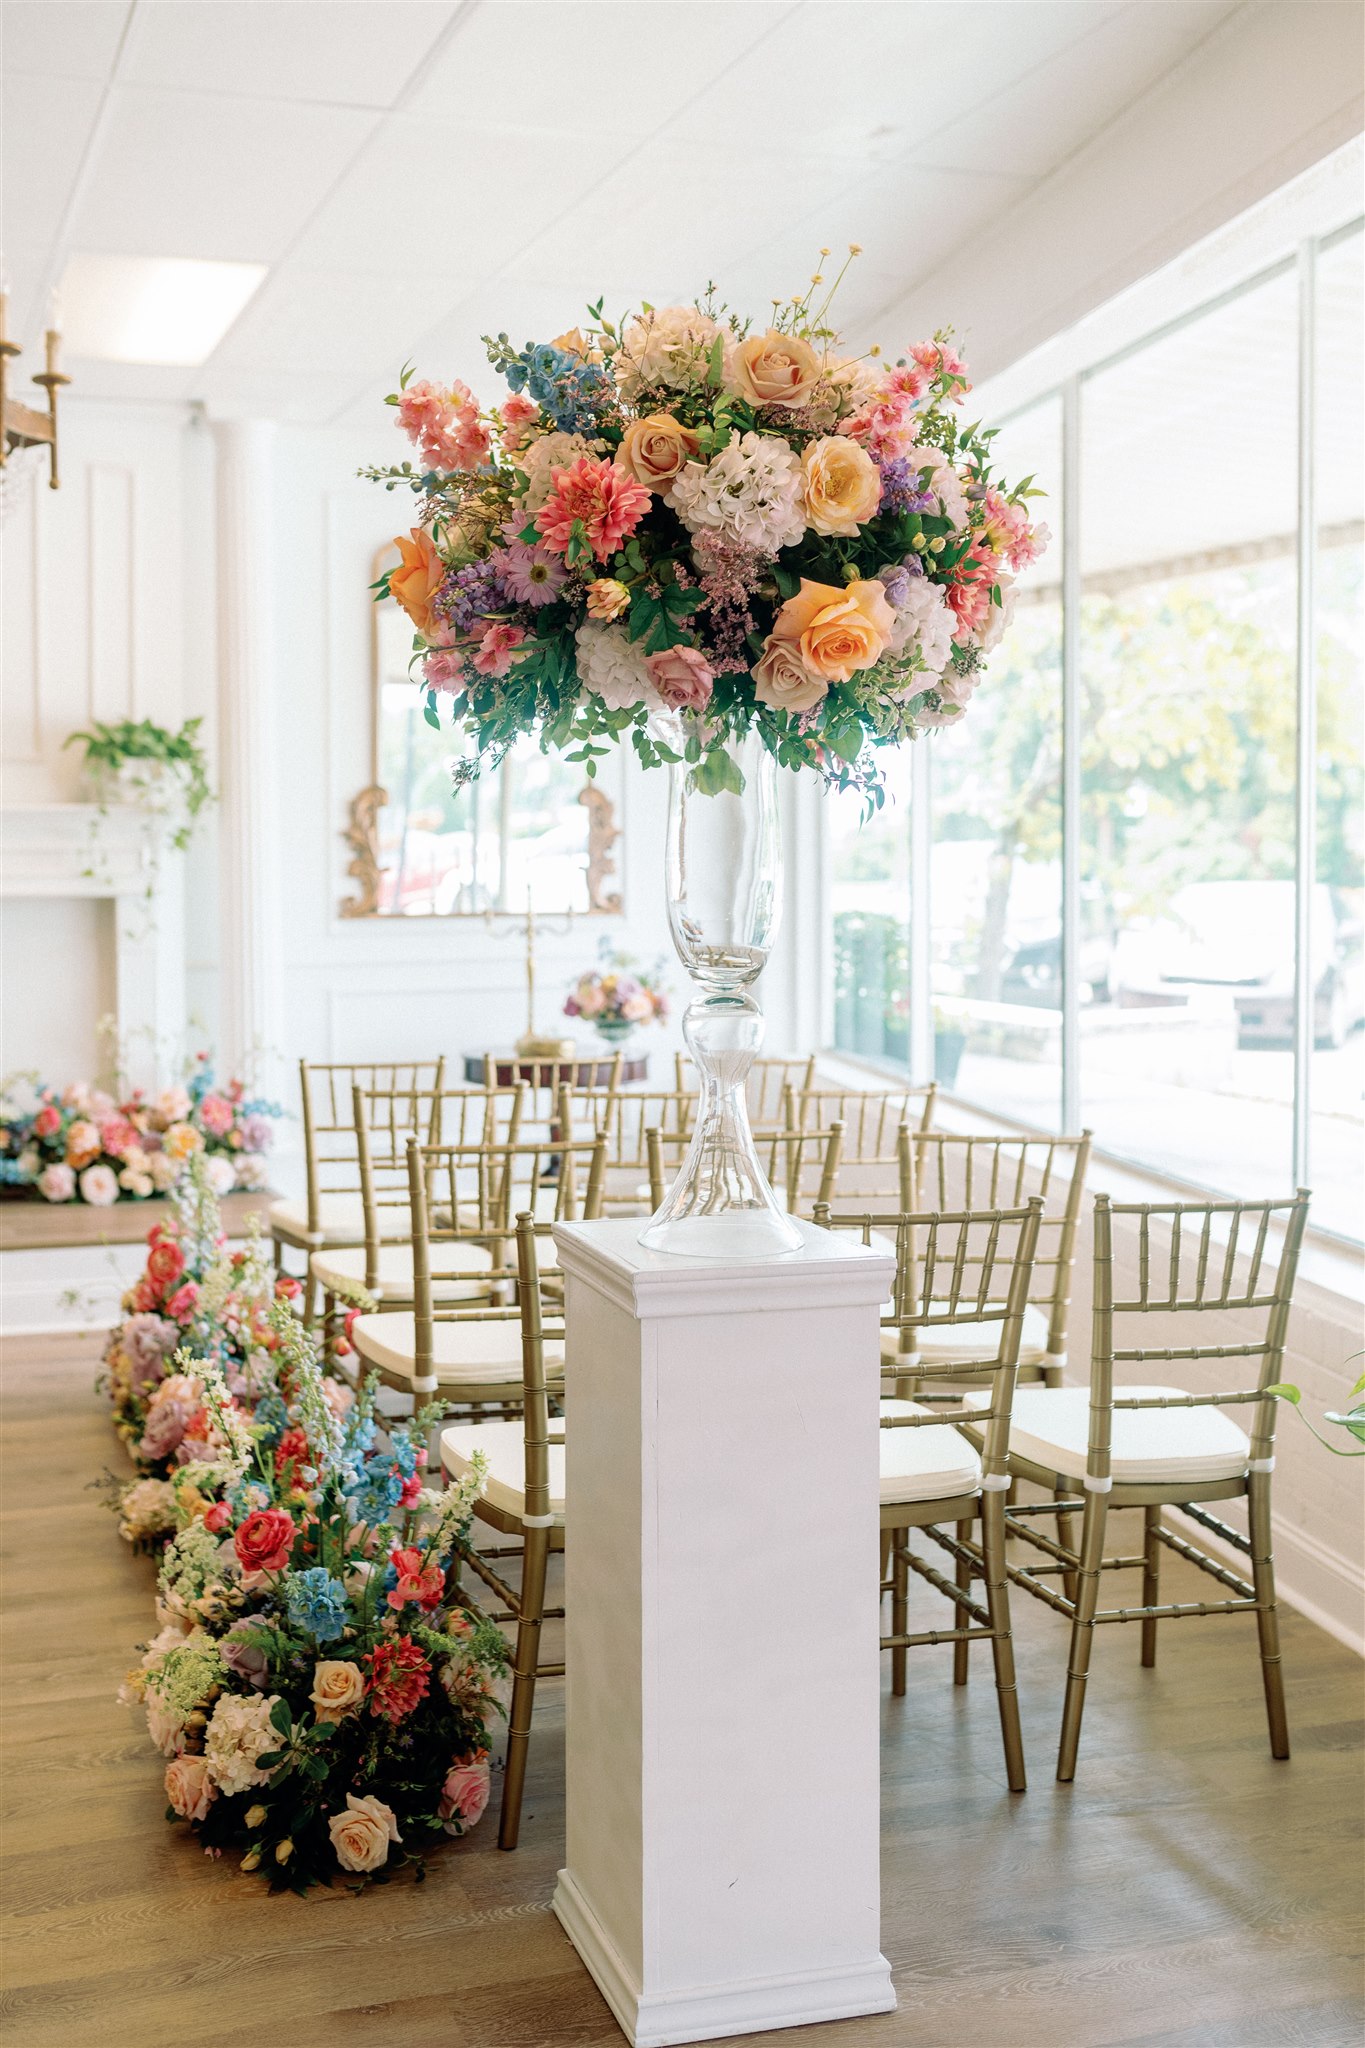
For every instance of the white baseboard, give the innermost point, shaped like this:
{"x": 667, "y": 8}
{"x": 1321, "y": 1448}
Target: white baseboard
{"x": 710, "y": 2012}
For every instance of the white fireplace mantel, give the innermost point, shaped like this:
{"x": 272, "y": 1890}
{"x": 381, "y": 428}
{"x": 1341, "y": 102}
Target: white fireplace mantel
{"x": 85, "y": 850}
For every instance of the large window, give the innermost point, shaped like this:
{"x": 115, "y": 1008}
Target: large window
{"x": 1138, "y": 871}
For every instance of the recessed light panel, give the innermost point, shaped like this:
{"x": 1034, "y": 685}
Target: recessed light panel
{"x": 151, "y": 309}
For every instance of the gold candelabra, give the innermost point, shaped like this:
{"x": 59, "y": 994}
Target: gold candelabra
{"x": 24, "y": 426}
{"x": 533, "y": 1044}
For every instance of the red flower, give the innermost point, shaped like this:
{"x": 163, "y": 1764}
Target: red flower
{"x": 397, "y": 1678}
{"x": 292, "y": 1449}
{"x": 264, "y": 1541}
{"x": 426, "y": 1587}
{"x": 183, "y": 1302}
{"x": 218, "y": 1517}
{"x": 412, "y": 1489}
{"x": 165, "y": 1264}
{"x": 47, "y": 1122}
{"x": 604, "y": 498}
{"x": 287, "y": 1287}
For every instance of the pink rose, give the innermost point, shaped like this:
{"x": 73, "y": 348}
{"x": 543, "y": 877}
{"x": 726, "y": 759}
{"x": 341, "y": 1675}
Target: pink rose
{"x": 99, "y": 1186}
{"x": 464, "y": 1794}
{"x": 683, "y": 678}
{"x": 183, "y": 1302}
{"x": 216, "y": 1115}
{"x": 56, "y": 1183}
{"x": 189, "y": 1787}
{"x": 47, "y": 1122}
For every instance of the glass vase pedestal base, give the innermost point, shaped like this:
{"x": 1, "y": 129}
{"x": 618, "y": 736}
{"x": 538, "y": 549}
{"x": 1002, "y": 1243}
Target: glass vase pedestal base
{"x": 721, "y": 1206}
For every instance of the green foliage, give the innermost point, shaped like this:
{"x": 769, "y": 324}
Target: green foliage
{"x": 110, "y": 745}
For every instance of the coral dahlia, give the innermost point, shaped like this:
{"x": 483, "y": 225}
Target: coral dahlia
{"x": 609, "y": 503}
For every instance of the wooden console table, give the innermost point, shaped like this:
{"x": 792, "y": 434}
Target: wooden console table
{"x": 584, "y": 1070}
{"x": 32, "y": 1225}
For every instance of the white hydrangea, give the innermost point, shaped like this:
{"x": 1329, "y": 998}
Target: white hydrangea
{"x": 669, "y": 346}
{"x": 993, "y": 632}
{"x": 252, "y": 1170}
{"x": 927, "y": 619}
{"x": 750, "y": 492}
{"x": 239, "y": 1732}
{"x": 548, "y": 453}
{"x": 221, "y": 1173}
{"x": 613, "y": 667}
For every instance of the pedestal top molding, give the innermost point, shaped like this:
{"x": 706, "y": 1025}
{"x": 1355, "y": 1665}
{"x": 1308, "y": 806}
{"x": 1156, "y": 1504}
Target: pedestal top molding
{"x": 826, "y": 1271}
{"x": 74, "y": 849}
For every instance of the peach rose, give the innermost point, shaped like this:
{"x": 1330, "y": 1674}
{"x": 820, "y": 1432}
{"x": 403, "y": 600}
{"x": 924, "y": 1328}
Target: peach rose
{"x": 836, "y": 632}
{"x": 840, "y": 485}
{"x": 180, "y": 1140}
{"x": 338, "y": 1689}
{"x": 655, "y": 450}
{"x": 362, "y": 1834}
{"x": 82, "y": 1144}
{"x": 189, "y": 1788}
{"x": 776, "y": 369}
{"x": 783, "y": 682}
{"x": 418, "y": 578}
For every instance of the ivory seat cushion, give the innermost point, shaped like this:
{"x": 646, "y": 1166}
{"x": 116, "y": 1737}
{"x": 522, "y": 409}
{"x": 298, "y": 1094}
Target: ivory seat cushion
{"x": 924, "y": 1464}
{"x": 341, "y": 1220}
{"x": 345, "y": 1268}
{"x": 1149, "y": 1446}
{"x": 963, "y": 1343}
{"x": 465, "y": 1354}
{"x": 503, "y": 1444}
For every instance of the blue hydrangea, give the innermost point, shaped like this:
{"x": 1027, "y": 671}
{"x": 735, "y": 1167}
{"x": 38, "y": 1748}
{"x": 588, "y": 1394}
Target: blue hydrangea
{"x": 375, "y": 1493}
{"x": 317, "y": 1604}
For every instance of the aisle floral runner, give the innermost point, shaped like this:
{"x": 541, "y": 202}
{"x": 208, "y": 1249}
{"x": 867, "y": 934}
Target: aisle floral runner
{"x": 321, "y": 1697}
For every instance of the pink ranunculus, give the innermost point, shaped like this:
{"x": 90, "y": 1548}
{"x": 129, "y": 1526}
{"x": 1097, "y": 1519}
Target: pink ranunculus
{"x": 183, "y": 1302}
{"x": 216, "y": 1115}
{"x": 56, "y": 1183}
{"x": 217, "y": 1517}
{"x": 683, "y": 678}
{"x": 48, "y": 1122}
{"x": 189, "y": 1788}
{"x": 497, "y": 649}
{"x": 99, "y": 1186}
{"x": 119, "y": 1137}
{"x": 464, "y": 1794}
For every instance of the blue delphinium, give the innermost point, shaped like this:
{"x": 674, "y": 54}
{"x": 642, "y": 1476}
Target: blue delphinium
{"x": 271, "y": 1418}
{"x": 317, "y": 1604}
{"x": 570, "y": 392}
{"x": 374, "y": 1493}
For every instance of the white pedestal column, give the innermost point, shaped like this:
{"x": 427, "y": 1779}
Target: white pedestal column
{"x": 722, "y": 1634}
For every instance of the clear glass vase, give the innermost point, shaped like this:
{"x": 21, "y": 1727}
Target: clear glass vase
{"x": 724, "y": 879}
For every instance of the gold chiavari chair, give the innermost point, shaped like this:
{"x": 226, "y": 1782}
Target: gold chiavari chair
{"x": 523, "y": 1498}
{"x": 971, "y": 1267}
{"x": 447, "y": 1347}
{"x": 331, "y": 1212}
{"x": 385, "y": 1118}
{"x": 626, "y": 1120}
{"x": 1151, "y": 1446}
{"x": 765, "y": 1087}
{"x": 666, "y": 1150}
{"x": 546, "y": 1080}
{"x": 947, "y": 1170}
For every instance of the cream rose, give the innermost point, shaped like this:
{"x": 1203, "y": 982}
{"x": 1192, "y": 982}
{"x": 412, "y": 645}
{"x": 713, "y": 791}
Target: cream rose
{"x": 840, "y": 485}
{"x": 654, "y": 450}
{"x": 338, "y": 1689}
{"x": 361, "y": 1835}
{"x": 783, "y": 682}
{"x": 189, "y": 1788}
{"x": 776, "y": 369}
{"x": 836, "y": 632}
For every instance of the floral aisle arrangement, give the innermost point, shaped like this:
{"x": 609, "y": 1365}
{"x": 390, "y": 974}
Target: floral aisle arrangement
{"x": 322, "y": 1699}
{"x": 194, "y": 1294}
{"x": 676, "y": 512}
{"x": 615, "y": 996}
{"x": 83, "y": 1144}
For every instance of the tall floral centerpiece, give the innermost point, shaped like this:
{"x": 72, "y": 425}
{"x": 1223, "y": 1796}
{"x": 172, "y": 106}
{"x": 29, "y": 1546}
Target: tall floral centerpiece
{"x": 735, "y": 548}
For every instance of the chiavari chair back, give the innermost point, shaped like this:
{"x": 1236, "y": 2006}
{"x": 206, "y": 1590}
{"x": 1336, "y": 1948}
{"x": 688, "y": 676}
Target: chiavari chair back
{"x": 1153, "y": 1445}
{"x": 522, "y": 1499}
{"x": 331, "y": 1213}
{"x": 964, "y": 1268}
{"x": 951, "y": 1170}
{"x": 625, "y": 1120}
{"x": 765, "y": 1087}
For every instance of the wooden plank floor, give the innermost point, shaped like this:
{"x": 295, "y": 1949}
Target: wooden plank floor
{"x": 1185, "y": 1890}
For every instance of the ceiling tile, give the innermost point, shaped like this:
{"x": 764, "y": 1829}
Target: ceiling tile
{"x": 46, "y": 126}
{"x": 352, "y": 54}
{"x": 187, "y": 174}
{"x": 333, "y": 321}
{"x": 565, "y": 68}
{"x": 78, "y": 39}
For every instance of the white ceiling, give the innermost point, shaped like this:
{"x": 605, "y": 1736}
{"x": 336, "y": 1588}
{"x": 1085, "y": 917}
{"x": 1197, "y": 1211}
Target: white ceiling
{"x": 419, "y": 174}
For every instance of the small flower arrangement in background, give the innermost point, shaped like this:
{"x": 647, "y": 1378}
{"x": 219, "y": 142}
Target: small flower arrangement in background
{"x": 84, "y": 1144}
{"x": 616, "y": 996}
{"x": 322, "y": 1699}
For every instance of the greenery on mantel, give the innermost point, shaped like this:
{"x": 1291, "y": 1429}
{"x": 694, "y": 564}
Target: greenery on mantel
{"x": 110, "y": 748}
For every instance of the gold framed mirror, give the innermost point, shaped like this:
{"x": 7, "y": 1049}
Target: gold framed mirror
{"x": 535, "y": 830}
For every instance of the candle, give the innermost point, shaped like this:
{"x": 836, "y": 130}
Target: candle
{"x": 53, "y": 337}
{"x": 54, "y": 312}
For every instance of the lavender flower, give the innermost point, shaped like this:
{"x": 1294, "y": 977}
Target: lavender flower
{"x": 901, "y": 487}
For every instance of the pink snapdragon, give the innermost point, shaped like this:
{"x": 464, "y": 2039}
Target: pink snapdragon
{"x": 518, "y": 414}
{"x": 444, "y": 426}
